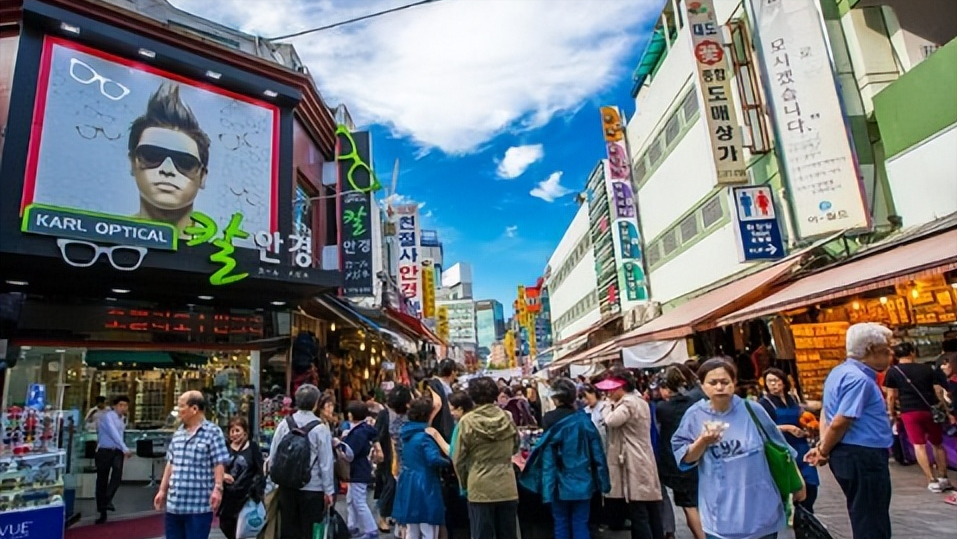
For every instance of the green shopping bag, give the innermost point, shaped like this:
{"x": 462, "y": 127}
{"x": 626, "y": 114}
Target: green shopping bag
{"x": 319, "y": 530}
{"x": 783, "y": 468}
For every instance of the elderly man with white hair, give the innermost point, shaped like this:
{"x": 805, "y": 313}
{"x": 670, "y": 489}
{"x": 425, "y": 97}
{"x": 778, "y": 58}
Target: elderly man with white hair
{"x": 856, "y": 432}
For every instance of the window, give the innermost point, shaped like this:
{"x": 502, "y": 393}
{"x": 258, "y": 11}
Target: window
{"x": 712, "y": 212}
{"x": 640, "y": 170}
{"x": 652, "y": 255}
{"x": 672, "y": 129}
{"x": 690, "y": 105}
{"x": 654, "y": 152}
{"x": 669, "y": 243}
{"x": 689, "y": 228}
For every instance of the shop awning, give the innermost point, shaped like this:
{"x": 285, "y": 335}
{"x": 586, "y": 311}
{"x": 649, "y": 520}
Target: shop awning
{"x": 655, "y": 354}
{"x": 905, "y": 262}
{"x": 142, "y": 359}
{"x": 703, "y": 312}
{"x": 346, "y": 312}
{"x": 413, "y": 324}
{"x": 596, "y": 354}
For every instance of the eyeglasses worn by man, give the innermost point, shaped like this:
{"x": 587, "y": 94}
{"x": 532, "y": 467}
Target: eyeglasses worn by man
{"x": 192, "y": 486}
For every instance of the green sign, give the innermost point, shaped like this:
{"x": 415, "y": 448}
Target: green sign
{"x": 204, "y": 230}
{"x": 98, "y": 227}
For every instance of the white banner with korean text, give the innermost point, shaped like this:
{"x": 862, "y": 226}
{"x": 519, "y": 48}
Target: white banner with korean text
{"x": 409, "y": 250}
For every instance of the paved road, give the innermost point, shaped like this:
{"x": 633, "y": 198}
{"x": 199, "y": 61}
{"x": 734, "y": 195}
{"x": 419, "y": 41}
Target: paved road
{"x": 915, "y": 512}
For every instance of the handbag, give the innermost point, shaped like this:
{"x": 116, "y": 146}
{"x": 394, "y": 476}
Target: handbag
{"x": 783, "y": 468}
{"x": 251, "y": 520}
{"x": 937, "y": 412}
{"x": 807, "y": 526}
{"x": 343, "y": 467}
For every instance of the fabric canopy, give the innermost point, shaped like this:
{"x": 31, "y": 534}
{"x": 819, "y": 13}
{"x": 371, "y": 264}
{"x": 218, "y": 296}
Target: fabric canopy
{"x": 867, "y": 271}
{"x": 142, "y": 359}
{"x": 655, "y": 354}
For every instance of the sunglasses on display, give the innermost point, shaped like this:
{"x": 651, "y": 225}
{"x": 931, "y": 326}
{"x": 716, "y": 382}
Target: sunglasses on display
{"x": 149, "y": 156}
{"x": 83, "y": 254}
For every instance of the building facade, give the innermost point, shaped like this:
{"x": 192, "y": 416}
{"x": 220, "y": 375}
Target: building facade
{"x": 490, "y": 323}
{"x": 461, "y": 322}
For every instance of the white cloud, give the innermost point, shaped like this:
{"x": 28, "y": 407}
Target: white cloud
{"x": 511, "y": 231}
{"x": 517, "y": 160}
{"x": 550, "y": 188}
{"x": 453, "y": 74}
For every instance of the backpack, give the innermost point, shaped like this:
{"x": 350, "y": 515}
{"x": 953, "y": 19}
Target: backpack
{"x": 292, "y": 464}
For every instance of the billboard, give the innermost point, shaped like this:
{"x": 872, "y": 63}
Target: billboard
{"x": 714, "y": 83}
{"x": 623, "y": 210}
{"x": 821, "y": 168}
{"x": 119, "y": 138}
{"x": 409, "y": 259}
{"x": 428, "y": 289}
{"x": 356, "y": 181}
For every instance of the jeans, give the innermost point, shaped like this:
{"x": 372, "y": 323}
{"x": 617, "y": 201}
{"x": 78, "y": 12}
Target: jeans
{"x": 498, "y": 520}
{"x": 188, "y": 526}
{"x": 571, "y": 518}
{"x": 645, "y": 520}
{"x": 864, "y": 477}
{"x": 358, "y": 514}
{"x": 109, "y": 473}
{"x": 772, "y": 536}
{"x": 299, "y": 511}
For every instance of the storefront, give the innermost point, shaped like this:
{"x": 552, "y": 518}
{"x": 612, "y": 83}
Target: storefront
{"x": 144, "y": 255}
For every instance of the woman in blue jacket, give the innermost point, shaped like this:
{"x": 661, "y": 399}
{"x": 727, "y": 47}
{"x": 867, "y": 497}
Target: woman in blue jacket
{"x": 418, "y": 497}
{"x": 568, "y": 465}
{"x": 360, "y": 439}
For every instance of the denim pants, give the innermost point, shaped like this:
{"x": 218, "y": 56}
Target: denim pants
{"x": 188, "y": 526}
{"x": 771, "y": 536}
{"x": 358, "y": 514}
{"x": 497, "y": 520}
{"x": 571, "y": 518}
{"x": 864, "y": 477}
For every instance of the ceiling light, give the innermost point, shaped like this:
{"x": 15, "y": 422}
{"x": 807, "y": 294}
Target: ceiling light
{"x": 270, "y": 93}
{"x": 277, "y": 303}
{"x": 120, "y": 290}
{"x": 146, "y": 53}
{"x": 213, "y": 74}
{"x": 205, "y": 298}
{"x": 110, "y": 299}
{"x": 883, "y": 300}
{"x": 72, "y": 28}
{"x": 332, "y": 327}
{"x": 914, "y": 293}
{"x": 61, "y": 351}
{"x": 362, "y": 347}
{"x": 17, "y": 283}
{"x": 953, "y": 285}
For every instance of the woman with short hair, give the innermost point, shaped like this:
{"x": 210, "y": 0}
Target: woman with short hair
{"x": 243, "y": 479}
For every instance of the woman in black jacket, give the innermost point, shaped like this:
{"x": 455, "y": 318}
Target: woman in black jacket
{"x": 244, "y": 476}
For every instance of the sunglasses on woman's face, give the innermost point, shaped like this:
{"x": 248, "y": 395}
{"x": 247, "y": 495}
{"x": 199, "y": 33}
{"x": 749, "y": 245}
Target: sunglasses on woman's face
{"x": 149, "y": 156}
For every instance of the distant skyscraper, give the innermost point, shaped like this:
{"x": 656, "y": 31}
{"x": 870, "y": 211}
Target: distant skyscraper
{"x": 490, "y": 320}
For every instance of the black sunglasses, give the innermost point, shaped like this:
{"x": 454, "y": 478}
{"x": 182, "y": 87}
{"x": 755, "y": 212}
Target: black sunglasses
{"x": 149, "y": 156}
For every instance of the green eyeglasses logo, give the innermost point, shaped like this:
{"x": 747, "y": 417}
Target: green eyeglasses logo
{"x": 357, "y": 163}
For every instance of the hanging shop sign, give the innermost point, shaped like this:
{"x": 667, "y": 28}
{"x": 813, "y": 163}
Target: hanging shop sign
{"x": 825, "y": 187}
{"x": 357, "y": 181}
{"x": 714, "y": 83}
{"x": 442, "y": 322}
{"x": 629, "y": 260}
{"x": 178, "y": 322}
{"x": 428, "y": 289}
{"x": 410, "y": 264}
{"x": 114, "y": 137}
{"x": 759, "y": 234}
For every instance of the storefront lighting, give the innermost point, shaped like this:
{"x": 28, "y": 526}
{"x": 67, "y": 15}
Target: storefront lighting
{"x": 362, "y": 347}
{"x": 953, "y": 285}
{"x": 373, "y": 349}
{"x": 883, "y": 300}
{"x": 914, "y": 293}
{"x": 213, "y": 74}
{"x": 365, "y": 373}
{"x": 856, "y": 305}
{"x": 61, "y": 351}
{"x": 120, "y": 290}
{"x": 110, "y": 299}
{"x": 205, "y": 298}
{"x": 72, "y": 28}
{"x": 17, "y": 283}
{"x": 332, "y": 326}
{"x": 270, "y": 93}
{"x": 278, "y": 303}
{"x": 146, "y": 53}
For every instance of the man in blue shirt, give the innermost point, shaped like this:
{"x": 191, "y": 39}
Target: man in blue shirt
{"x": 856, "y": 432}
{"x": 111, "y": 451}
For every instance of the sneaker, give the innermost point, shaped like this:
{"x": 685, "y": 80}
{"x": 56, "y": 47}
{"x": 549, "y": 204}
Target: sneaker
{"x": 945, "y": 484}
{"x": 934, "y": 486}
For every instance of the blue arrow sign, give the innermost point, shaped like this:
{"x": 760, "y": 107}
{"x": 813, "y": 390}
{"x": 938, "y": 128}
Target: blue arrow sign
{"x": 758, "y": 230}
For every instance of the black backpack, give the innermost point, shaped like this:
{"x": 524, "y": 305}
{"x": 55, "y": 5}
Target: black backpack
{"x": 292, "y": 464}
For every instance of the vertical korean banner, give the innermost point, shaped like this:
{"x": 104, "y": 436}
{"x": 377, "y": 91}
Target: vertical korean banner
{"x": 428, "y": 289}
{"x": 356, "y": 182}
{"x": 623, "y": 210}
{"x": 825, "y": 185}
{"x": 442, "y": 322}
{"x": 714, "y": 81}
{"x": 410, "y": 265}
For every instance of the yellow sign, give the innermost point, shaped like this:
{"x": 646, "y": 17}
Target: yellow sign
{"x": 510, "y": 347}
{"x": 442, "y": 322}
{"x": 428, "y": 288}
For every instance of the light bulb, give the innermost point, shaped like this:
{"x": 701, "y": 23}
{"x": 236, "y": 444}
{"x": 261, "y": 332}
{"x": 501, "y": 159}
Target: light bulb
{"x": 914, "y": 293}
{"x": 856, "y": 305}
{"x": 366, "y": 373}
{"x": 362, "y": 347}
{"x": 332, "y": 327}
{"x": 883, "y": 300}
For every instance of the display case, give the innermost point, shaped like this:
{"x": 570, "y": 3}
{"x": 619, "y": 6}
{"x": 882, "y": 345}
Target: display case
{"x": 32, "y": 467}
{"x": 818, "y": 349}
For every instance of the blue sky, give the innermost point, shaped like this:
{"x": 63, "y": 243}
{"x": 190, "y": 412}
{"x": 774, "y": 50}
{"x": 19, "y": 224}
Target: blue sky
{"x": 484, "y": 102}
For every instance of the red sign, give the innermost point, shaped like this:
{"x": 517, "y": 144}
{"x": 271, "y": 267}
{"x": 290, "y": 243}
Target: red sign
{"x": 709, "y": 52}
{"x": 182, "y": 322}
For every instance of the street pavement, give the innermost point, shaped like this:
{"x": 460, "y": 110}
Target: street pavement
{"x": 916, "y": 513}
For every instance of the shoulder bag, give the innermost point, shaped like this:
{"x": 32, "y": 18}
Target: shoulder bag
{"x": 938, "y": 413}
{"x": 783, "y": 468}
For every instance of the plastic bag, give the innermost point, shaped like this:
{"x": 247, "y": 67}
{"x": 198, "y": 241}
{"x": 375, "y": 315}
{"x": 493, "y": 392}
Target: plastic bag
{"x": 251, "y": 520}
{"x": 807, "y": 526}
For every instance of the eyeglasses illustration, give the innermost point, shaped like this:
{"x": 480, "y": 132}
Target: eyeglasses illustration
{"x": 90, "y": 132}
{"x": 232, "y": 142}
{"x": 83, "y": 254}
{"x": 84, "y": 74}
{"x": 357, "y": 162}
{"x": 149, "y": 156}
{"x": 91, "y": 114}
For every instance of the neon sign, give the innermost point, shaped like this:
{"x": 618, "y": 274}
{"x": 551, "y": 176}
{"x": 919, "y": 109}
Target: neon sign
{"x": 204, "y": 231}
{"x": 357, "y": 163}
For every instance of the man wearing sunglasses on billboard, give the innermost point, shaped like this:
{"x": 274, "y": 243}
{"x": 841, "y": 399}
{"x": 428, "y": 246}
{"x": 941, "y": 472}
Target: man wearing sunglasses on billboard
{"x": 169, "y": 158}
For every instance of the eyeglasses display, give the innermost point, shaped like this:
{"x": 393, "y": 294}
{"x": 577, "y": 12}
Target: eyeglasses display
{"x": 84, "y": 74}
{"x": 31, "y": 464}
{"x": 83, "y": 254}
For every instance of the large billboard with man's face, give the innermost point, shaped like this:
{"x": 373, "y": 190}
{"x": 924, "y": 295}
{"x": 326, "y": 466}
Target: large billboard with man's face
{"x": 115, "y": 137}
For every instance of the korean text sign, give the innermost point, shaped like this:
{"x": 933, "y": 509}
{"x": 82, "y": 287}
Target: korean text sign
{"x": 428, "y": 288}
{"x": 116, "y": 137}
{"x": 822, "y": 171}
{"x": 409, "y": 249}
{"x": 714, "y": 80}
{"x": 623, "y": 208}
{"x": 356, "y": 182}
{"x": 759, "y": 233}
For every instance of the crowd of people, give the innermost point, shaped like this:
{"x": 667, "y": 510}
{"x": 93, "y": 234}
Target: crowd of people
{"x": 443, "y": 456}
